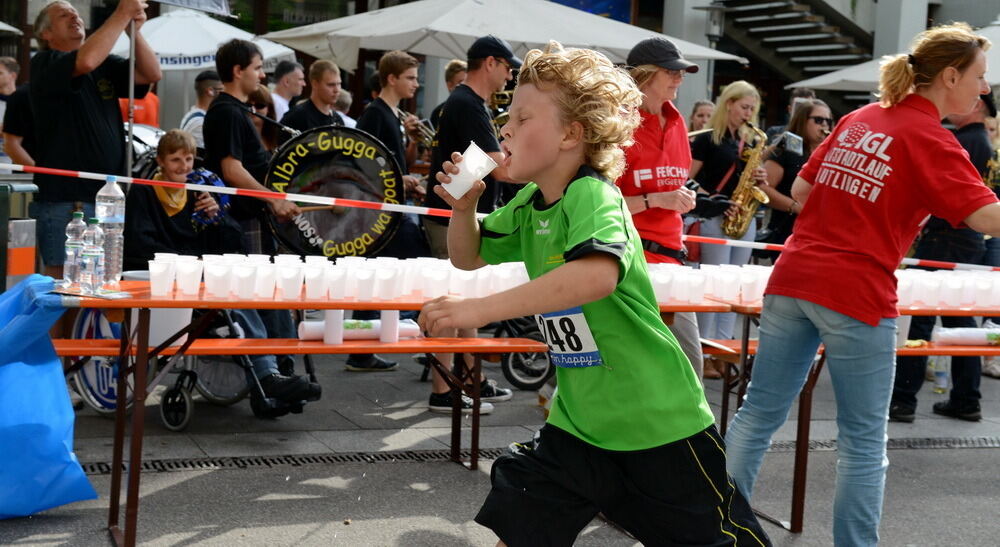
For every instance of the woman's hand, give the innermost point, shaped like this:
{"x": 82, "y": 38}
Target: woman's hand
{"x": 681, "y": 200}
{"x": 470, "y": 199}
{"x": 759, "y": 176}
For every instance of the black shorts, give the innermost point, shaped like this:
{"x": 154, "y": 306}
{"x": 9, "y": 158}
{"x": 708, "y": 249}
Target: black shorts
{"x": 675, "y": 494}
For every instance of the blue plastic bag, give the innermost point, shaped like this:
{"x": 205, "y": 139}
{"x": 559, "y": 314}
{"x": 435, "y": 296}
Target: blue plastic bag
{"x": 38, "y": 469}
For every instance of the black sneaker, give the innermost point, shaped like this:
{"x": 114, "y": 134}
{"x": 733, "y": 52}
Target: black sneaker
{"x": 490, "y": 391}
{"x": 901, "y": 413}
{"x": 290, "y": 389}
{"x": 369, "y": 363}
{"x": 286, "y": 365}
{"x": 969, "y": 413}
{"x": 441, "y": 402}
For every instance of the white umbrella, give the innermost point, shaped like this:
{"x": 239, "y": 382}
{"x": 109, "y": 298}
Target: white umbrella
{"x": 864, "y": 77}
{"x": 446, "y": 28}
{"x": 4, "y": 27}
{"x": 186, "y": 39}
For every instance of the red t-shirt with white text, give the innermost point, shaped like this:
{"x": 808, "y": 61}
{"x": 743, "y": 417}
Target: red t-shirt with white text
{"x": 659, "y": 161}
{"x": 875, "y": 180}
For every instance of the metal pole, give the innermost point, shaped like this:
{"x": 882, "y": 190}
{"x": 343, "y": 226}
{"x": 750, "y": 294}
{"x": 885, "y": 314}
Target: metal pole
{"x": 131, "y": 97}
{"x": 710, "y": 74}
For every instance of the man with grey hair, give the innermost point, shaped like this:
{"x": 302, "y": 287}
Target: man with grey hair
{"x": 75, "y": 86}
{"x": 289, "y": 81}
{"x": 343, "y": 106}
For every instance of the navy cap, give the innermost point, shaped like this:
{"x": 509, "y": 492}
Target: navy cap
{"x": 491, "y": 46}
{"x": 991, "y": 106}
{"x": 659, "y": 52}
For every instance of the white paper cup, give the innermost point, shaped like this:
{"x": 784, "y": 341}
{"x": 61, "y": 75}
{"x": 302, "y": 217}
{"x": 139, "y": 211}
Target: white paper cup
{"x": 259, "y": 259}
{"x": 188, "y": 275}
{"x": 218, "y": 280}
{"x": 161, "y": 277}
{"x": 290, "y": 281}
{"x": 364, "y": 284}
{"x": 263, "y": 286}
{"x": 315, "y": 282}
{"x": 336, "y": 282}
{"x": 475, "y": 165}
{"x": 244, "y": 280}
{"x": 333, "y": 327}
{"x": 165, "y": 257}
{"x": 317, "y": 260}
{"x": 287, "y": 259}
{"x": 389, "y": 332}
{"x": 387, "y": 284}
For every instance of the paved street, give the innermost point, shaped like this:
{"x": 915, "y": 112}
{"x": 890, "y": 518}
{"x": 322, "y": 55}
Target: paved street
{"x": 407, "y": 494}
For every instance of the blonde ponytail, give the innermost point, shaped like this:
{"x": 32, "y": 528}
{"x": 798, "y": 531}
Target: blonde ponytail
{"x": 933, "y": 50}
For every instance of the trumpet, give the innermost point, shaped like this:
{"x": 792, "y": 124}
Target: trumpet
{"x": 426, "y": 138}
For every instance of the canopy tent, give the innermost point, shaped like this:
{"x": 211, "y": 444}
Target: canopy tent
{"x": 185, "y": 42}
{"x": 864, "y": 77}
{"x": 4, "y": 27}
{"x": 446, "y": 28}
{"x": 219, "y": 7}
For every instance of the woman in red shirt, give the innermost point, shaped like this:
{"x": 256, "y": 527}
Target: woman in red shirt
{"x": 882, "y": 171}
{"x": 656, "y": 169}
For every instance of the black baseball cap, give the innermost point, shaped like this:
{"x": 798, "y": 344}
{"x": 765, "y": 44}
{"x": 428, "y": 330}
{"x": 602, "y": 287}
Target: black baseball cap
{"x": 491, "y": 46}
{"x": 991, "y": 106}
{"x": 660, "y": 52}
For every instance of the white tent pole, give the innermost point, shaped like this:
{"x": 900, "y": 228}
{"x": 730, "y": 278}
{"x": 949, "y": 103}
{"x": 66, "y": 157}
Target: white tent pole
{"x": 131, "y": 98}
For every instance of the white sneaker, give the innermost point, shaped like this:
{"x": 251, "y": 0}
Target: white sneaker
{"x": 991, "y": 367}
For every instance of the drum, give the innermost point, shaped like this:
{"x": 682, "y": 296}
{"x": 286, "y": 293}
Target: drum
{"x": 338, "y": 162}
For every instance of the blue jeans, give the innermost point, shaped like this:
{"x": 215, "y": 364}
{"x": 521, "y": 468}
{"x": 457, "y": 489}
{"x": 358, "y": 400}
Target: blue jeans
{"x": 951, "y": 246}
{"x": 51, "y": 218}
{"x": 253, "y": 327}
{"x": 860, "y": 360}
{"x": 720, "y": 325}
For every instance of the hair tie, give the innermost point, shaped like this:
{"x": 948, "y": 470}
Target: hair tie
{"x": 911, "y": 59}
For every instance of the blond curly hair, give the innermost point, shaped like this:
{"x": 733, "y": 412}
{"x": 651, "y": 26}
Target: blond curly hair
{"x": 594, "y": 92}
{"x": 934, "y": 50}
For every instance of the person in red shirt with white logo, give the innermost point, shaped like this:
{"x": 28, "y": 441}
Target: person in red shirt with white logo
{"x": 656, "y": 169}
{"x": 865, "y": 190}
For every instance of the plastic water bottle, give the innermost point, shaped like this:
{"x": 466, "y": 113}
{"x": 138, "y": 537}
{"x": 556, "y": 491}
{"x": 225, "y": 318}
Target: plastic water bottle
{"x": 92, "y": 258}
{"x": 110, "y": 209}
{"x": 74, "y": 245}
{"x": 940, "y": 374}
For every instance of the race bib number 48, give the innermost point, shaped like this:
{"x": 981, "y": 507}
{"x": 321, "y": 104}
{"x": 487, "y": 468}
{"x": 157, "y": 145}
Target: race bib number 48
{"x": 571, "y": 344}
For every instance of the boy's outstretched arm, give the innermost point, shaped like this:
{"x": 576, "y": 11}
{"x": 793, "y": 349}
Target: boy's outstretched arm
{"x": 586, "y": 279}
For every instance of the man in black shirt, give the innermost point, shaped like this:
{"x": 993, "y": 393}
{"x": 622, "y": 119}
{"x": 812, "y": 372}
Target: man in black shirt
{"x": 464, "y": 118}
{"x": 19, "y": 127}
{"x": 454, "y": 74}
{"x": 75, "y": 87}
{"x": 939, "y": 241}
{"x": 317, "y": 111}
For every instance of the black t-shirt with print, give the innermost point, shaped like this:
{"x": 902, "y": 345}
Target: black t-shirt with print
{"x": 464, "y": 118}
{"x": 78, "y": 124}
{"x": 228, "y": 132}
{"x": 306, "y": 116}
{"x": 381, "y": 122}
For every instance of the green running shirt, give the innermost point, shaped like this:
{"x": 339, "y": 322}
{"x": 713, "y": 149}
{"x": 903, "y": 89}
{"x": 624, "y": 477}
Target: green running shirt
{"x": 624, "y": 383}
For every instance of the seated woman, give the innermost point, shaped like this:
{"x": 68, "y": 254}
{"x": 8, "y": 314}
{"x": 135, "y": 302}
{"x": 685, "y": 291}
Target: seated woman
{"x": 174, "y": 220}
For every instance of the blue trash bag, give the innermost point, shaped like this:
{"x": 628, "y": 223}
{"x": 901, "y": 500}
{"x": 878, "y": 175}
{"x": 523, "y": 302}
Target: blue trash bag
{"x": 38, "y": 469}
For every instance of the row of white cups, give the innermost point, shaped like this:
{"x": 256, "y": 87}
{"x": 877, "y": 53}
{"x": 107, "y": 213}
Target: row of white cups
{"x": 290, "y": 277}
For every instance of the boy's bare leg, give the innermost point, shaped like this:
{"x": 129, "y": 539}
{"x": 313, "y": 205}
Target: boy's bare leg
{"x": 438, "y": 383}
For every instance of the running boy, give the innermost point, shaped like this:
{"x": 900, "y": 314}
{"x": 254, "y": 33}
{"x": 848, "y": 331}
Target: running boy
{"x": 630, "y": 433}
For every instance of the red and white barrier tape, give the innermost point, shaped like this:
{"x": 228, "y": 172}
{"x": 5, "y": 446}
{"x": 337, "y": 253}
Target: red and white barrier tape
{"x": 380, "y": 206}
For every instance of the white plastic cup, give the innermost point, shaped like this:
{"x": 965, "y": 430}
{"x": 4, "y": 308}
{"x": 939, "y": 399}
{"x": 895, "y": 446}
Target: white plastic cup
{"x": 259, "y": 259}
{"x": 161, "y": 277}
{"x": 475, "y": 165}
{"x": 263, "y": 286}
{"x": 244, "y": 280}
{"x": 364, "y": 284}
{"x": 315, "y": 282}
{"x": 188, "y": 275}
{"x": 165, "y": 257}
{"x": 290, "y": 281}
{"x": 218, "y": 280}
{"x": 387, "y": 284}
{"x": 390, "y": 326}
{"x": 317, "y": 260}
{"x": 212, "y": 259}
{"x": 333, "y": 327}
{"x": 336, "y": 282}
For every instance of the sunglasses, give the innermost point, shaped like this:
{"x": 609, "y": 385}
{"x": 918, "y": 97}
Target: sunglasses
{"x": 260, "y": 106}
{"x": 507, "y": 65}
{"x": 820, "y": 120}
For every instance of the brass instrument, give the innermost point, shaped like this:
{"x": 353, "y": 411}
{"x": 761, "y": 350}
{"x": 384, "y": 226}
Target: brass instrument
{"x": 992, "y": 177}
{"x": 500, "y": 108}
{"x": 747, "y": 195}
{"x": 426, "y": 133}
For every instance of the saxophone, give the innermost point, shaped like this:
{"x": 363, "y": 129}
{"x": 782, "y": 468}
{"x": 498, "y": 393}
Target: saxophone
{"x": 746, "y": 195}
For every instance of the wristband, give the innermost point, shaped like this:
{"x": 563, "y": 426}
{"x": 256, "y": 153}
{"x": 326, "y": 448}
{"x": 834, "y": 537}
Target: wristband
{"x": 645, "y": 200}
